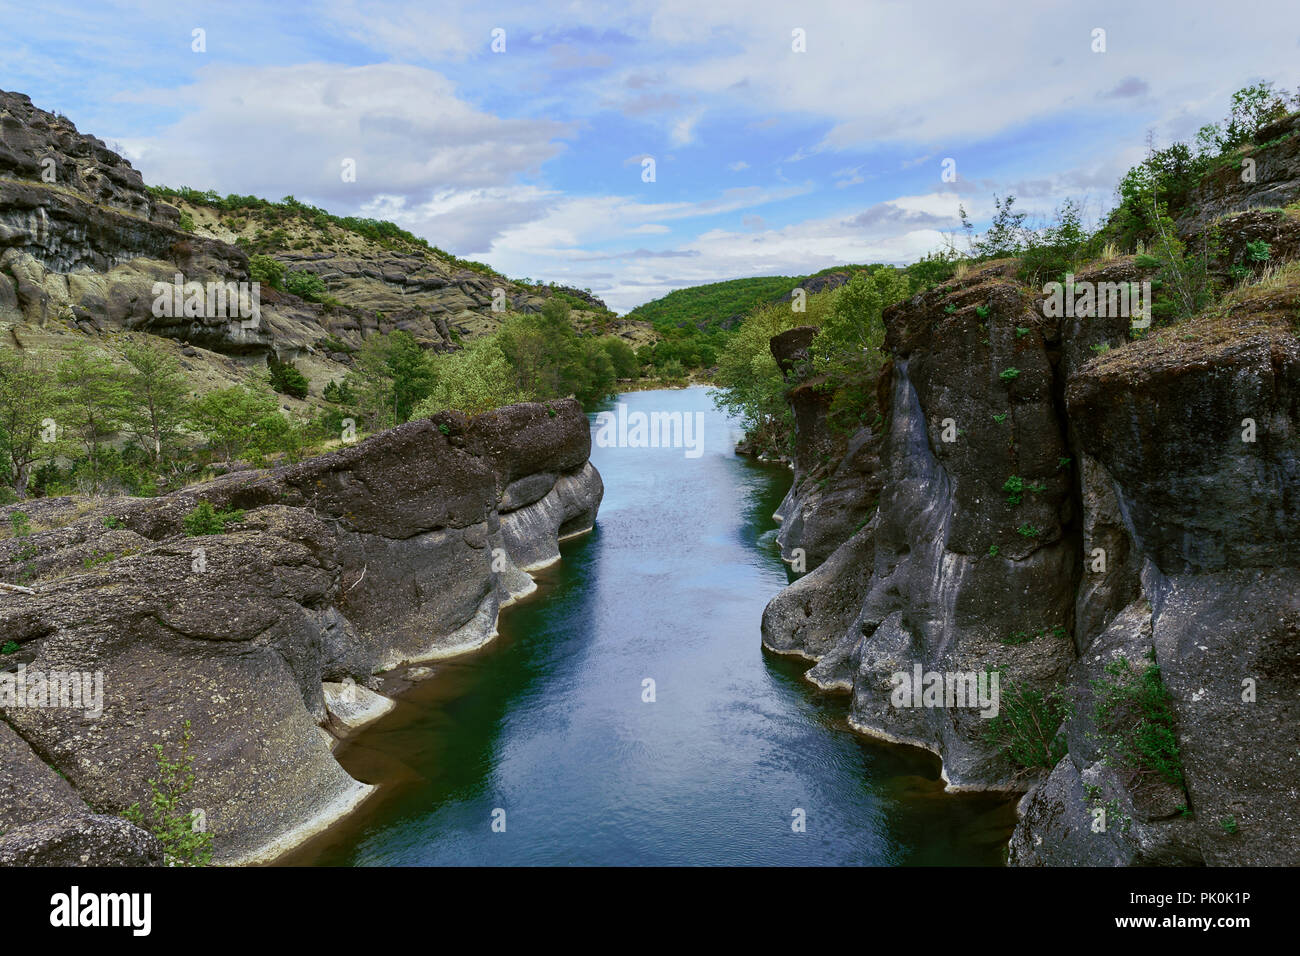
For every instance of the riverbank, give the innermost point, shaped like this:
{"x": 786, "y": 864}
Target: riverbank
{"x": 549, "y": 723}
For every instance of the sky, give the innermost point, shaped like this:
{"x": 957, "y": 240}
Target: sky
{"x": 785, "y": 137}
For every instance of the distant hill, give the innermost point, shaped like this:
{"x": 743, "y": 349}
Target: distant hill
{"x": 721, "y": 305}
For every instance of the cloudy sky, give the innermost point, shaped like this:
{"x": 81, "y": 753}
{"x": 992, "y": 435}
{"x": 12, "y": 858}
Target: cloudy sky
{"x": 768, "y": 159}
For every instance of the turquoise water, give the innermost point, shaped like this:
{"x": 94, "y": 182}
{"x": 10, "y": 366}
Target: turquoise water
{"x": 548, "y": 722}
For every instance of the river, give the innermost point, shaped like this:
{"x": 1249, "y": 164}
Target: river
{"x": 548, "y": 723}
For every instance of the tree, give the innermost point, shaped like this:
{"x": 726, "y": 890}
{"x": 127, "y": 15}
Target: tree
{"x": 848, "y": 347}
{"x": 28, "y": 399}
{"x": 626, "y": 364}
{"x": 235, "y": 420}
{"x": 158, "y": 393}
{"x": 95, "y": 402}
{"x": 393, "y": 375}
{"x": 474, "y": 379}
{"x": 285, "y": 377}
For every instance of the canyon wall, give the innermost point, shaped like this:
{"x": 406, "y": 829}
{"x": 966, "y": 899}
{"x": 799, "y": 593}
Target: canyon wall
{"x": 397, "y": 550}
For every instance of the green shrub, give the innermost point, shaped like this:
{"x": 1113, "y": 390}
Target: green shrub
{"x": 1135, "y": 724}
{"x": 285, "y": 377}
{"x": 266, "y": 270}
{"x": 168, "y": 819}
{"x": 1028, "y": 730}
{"x": 206, "y": 520}
{"x": 305, "y": 285}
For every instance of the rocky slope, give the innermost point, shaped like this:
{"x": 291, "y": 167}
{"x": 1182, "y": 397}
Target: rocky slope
{"x": 400, "y": 549}
{"x": 82, "y": 242}
{"x": 1173, "y": 459}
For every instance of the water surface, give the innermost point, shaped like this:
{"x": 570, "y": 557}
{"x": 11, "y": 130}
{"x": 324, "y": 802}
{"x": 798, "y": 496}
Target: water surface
{"x": 548, "y": 722}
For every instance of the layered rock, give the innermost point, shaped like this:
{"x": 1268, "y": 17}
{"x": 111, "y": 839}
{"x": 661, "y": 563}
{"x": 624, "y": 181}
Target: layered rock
{"x": 400, "y": 549}
{"x": 1050, "y": 502}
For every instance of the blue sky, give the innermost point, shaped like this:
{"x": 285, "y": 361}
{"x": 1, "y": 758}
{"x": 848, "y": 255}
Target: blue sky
{"x": 767, "y": 160}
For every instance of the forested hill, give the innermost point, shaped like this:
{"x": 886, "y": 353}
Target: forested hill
{"x": 721, "y": 305}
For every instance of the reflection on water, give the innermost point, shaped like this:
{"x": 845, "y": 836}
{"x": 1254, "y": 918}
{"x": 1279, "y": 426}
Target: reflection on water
{"x": 548, "y": 722}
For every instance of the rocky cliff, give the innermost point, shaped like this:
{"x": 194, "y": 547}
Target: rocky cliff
{"x": 1056, "y": 499}
{"x": 83, "y": 241}
{"x": 400, "y": 549}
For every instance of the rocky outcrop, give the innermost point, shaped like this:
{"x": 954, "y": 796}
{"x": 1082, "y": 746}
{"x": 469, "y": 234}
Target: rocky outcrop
{"x": 1270, "y": 179}
{"x": 835, "y": 476}
{"x": 83, "y": 242}
{"x": 397, "y": 550}
{"x": 1054, "y": 497}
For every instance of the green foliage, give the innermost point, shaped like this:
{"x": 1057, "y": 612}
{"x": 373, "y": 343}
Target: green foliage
{"x": 1009, "y": 374}
{"x": 848, "y": 348}
{"x": 392, "y": 376}
{"x": 548, "y": 359}
{"x": 472, "y": 380}
{"x": 1016, "y": 486}
{"x": 1027, "y": 530}
{"x": 238, "y": 421}
{"x": 1252, "y": 108}
{"x": 340, "y": 393}
{"x": 158, "y": 396}
{"x": 305, "y": 285}
{"x": 168, "y": 817}
{"x": 186, "y": 221}
{"x": 1028, "y": 731}
{"x": 9, "y": 647}
{"x": 206, "y": 520}
{"x": 94, "y": 404}
{"x": 1229, "y": 825}
{"x": 28, "y": 397}
{"x": 266, "y": 270}
{"x": 749, "y": 383}
{"x": 712, "y": 304}
{"x": 285, "y": 377}
{"x": 1135, "y": 723}
{"x": 1259, "y": 251}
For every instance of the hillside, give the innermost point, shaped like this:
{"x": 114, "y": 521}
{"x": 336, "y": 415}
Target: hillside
{"x": 721, "y": 305}
{"x": 83, "y": 241}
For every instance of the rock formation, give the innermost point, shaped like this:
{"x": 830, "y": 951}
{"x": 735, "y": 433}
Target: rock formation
{"x": 1052, "y": 497}
{"x": 399, "y": 549}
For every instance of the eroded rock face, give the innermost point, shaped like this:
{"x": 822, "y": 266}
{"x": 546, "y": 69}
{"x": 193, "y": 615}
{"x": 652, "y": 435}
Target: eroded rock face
{"x": 1155, "y": 518}
{"x": 391, "y": 551}
{"x": 82, "y": 243}
{"x": 1273, "y": 180}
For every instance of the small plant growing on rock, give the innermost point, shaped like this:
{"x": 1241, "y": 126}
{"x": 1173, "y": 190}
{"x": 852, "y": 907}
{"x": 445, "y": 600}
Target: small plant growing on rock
{"x": 206, "y": 520}
{"x": 949, "y": 309}
{"x": 1229, "y": 825}
{"x": 1135, "y": 722}
{"x": 1029, "y": 531}
{"x": 1027, "y": 731}
{"x": 1016, "y": 486}
{"x": 9, "y": 647}
{"x": 993, "y": 551}
{"x": 1008, "y": 374}
{"x": 982, "y": 311}
{"x": 1259, "y": 251}
{"x": 1000, "y": 418}
{"x": 176, "y": 827}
